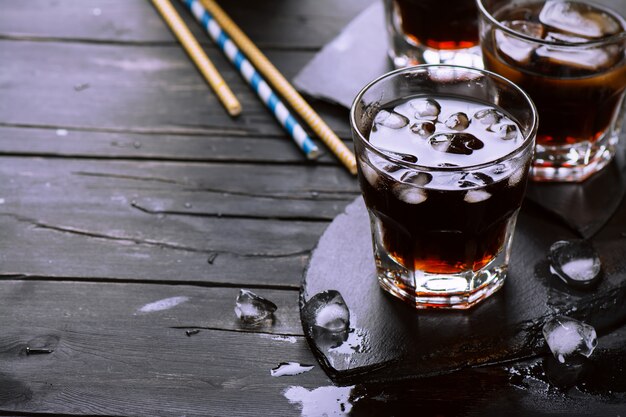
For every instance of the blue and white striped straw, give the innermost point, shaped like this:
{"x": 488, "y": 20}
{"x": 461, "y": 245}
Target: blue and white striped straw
{"x": 258, "y": 84}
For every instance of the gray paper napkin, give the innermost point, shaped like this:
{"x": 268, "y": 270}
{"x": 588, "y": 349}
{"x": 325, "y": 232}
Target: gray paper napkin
{"x": 350, "y": 61}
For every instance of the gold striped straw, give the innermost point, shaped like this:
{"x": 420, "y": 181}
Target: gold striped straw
{"x": 269, "y": 71}
{"x": 204, "y": 65}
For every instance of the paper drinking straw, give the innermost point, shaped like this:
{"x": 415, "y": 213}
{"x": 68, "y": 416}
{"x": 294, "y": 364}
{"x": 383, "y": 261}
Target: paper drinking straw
{"x": 265, "y": 67}
{"x": 204, "y": 65}
{"x": 255, "y": 80}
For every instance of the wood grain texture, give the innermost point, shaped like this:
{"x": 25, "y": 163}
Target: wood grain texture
{"x": 163, "y": 221}
{"x": 111, "y": 358}
{"x": 124, "y": 183}
{"x": 310, "y": 25}
{"x": 87, "y": 143}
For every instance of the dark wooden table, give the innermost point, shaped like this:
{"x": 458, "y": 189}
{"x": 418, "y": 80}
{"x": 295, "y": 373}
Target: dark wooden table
{"x": 123, "y": 182}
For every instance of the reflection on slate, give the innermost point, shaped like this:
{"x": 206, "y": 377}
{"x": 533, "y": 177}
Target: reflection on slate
{"x": 397, "y": 341}
{"x": 358, "y": 55}
{"x": 351, "y": 60}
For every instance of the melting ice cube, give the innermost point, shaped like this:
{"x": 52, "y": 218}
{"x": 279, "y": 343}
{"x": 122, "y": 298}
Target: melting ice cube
{"x": 575, "y": 262}
{"x": 532, "y": 29}
{"x": 251, "y": 308}
{"x": 390, "y": 119}
{"x": 591, "y": 58}
{"x": 457, "y": 121}
{"x": 474, "y": 179}
{"x": 456, "y": 143}
{"x": 423, "y": 129}
{"x": 426, "y": 108}
{"x": 409, "y": 194}
{"x": 507, "y": 131}
{"x": 516, "y": 176}
{"x": 476, "y": 196}
{"x": 568, "y": 338}
{"x": 519, "y": 50}
{"x": 416, "y": 178}
{"x": 488, "y": 117}
{"x": 578, "y": 18}
{"x": 328, "y": 311}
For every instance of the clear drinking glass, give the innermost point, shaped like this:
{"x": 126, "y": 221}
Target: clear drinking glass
{"x": 432, "y": 32}
{"x": 442, "y": 187}
{"x": 569, "y": 56}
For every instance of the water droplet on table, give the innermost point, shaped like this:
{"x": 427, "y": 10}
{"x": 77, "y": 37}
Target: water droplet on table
{"x": 327, "y": 401}
{"x": 290, "y": 369}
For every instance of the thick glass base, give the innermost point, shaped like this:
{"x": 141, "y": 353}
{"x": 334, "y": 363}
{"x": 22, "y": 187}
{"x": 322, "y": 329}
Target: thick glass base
{"x": 421, "y": 289}
{"x": 572, "y": 163}
{"x": 406, "y": 54}
{"x": 458, "y": 291}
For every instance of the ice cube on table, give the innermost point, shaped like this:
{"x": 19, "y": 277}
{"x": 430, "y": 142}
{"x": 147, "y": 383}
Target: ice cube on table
{"x": 578, "y": 18}
{"x": 251, "y": 308}
{"x": 575, "y": 262}
{"x": 327, "y": 311}
{"x": 568, "y": 338}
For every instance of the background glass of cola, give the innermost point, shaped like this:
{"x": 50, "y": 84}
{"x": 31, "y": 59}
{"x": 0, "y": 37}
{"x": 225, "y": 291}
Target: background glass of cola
{"x": 569, "y": 56}
{"x": 443, "y": 154}
{"x": 432, "y": 32}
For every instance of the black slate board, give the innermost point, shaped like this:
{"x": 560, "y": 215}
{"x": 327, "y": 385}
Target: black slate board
{"x": 391, "y": 340}
{"x": 585, "y": 207}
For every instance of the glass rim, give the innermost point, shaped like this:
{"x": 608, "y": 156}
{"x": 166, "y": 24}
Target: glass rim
{"x": 528, "y": 138}
{"x": 618, "y": 37}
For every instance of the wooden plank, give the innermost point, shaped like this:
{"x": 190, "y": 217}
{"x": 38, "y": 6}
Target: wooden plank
{"x": 109, "y": 358}
{"x": 133, "y": 305}
{"x": 164, "y": 221}
{"x": 130, "y": 89}
{"x": 94, "y": 144}
{"x": 310, "y": 24}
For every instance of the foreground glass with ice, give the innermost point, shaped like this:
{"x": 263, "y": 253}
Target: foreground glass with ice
{"x": 570, "y": 57}
{"x": 443, "y": 155}
{"x": 432, "y": 32}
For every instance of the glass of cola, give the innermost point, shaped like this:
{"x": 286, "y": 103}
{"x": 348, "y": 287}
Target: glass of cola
{"x": 443, "y": 154}
{"x": 432, "y": 32}
{"x": 570, "y": 57}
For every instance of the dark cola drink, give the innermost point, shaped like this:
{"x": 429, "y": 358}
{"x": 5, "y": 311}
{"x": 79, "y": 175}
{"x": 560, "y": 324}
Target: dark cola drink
{"x": 570, "y": 58}
{"x": 439, "y": 24}
{"x": 444, "y": 194}
{"x": 432, "y": 32}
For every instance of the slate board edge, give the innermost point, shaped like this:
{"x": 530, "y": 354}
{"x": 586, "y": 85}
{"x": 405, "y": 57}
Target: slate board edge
{"x": 530, "y": 334}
